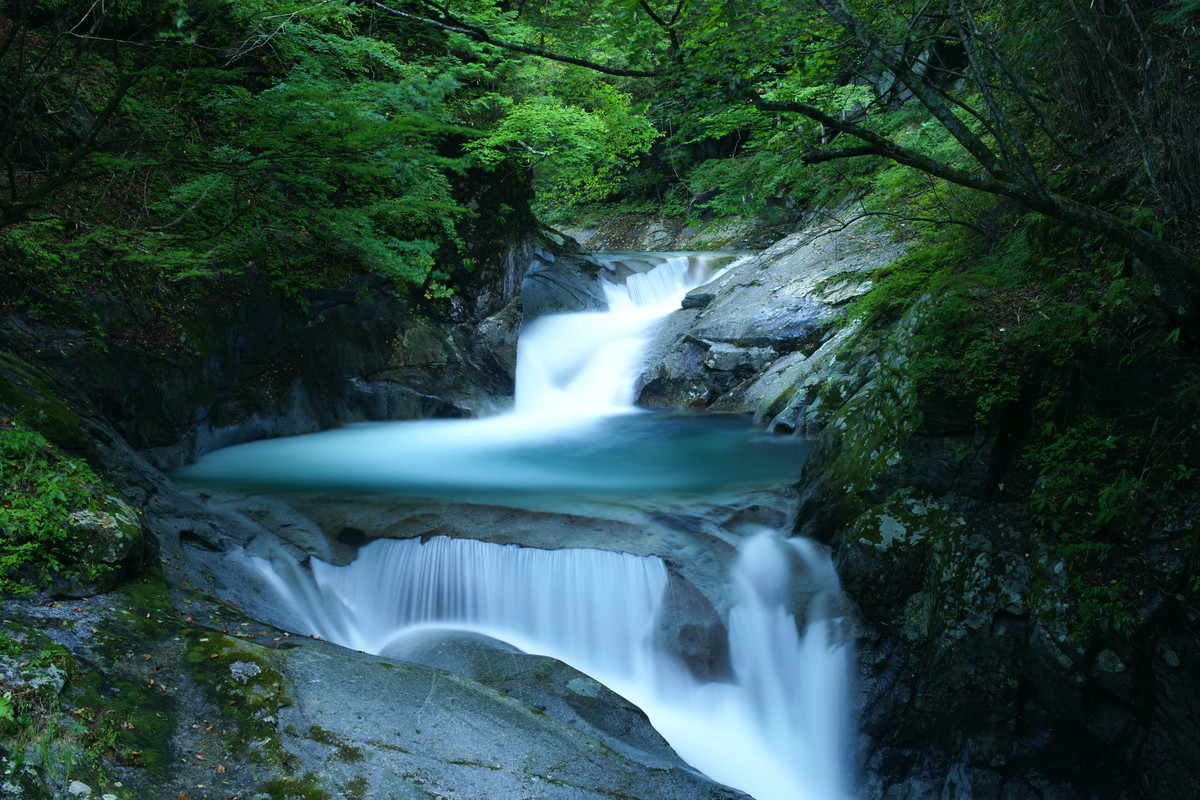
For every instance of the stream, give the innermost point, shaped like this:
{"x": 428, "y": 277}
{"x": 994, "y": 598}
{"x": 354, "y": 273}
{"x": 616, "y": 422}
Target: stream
{"x": 777, "y": 728}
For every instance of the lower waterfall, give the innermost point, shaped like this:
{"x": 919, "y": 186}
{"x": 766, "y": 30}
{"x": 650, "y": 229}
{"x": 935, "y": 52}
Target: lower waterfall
{"x": 778, "y": 731}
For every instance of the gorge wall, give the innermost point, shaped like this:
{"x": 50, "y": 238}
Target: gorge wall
{"x": 973, "y": 681}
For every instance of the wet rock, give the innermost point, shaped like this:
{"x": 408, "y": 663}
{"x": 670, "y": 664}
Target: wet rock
{"x": 548, "y": 686}
{"x": 778, "y": 303}
{"x": 565, "y": 284}
{"x": 445, "y": 733}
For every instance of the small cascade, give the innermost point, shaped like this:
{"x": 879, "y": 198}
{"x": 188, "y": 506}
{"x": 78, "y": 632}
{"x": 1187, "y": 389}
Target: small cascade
{"x": 777, "y": 732}
{"x": 558, "y": 603}
{"x": 585, "y": 364}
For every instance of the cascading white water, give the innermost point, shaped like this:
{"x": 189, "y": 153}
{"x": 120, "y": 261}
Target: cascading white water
{"x": 777, "y": 731}
{"x": 533, "y": 599}
{"x": 571, "y": 365}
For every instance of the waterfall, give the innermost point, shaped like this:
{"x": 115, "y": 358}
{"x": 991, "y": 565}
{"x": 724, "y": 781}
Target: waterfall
{"x": 776, "y": 730}
{"x": 584, "y": 364}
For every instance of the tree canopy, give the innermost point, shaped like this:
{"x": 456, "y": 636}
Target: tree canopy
{"x": 303, "y": 139}
{"x": 1017, "y": 90}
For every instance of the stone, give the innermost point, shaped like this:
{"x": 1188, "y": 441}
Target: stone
{"x": 114, "y": 541}
{"x": 243, "y": 671}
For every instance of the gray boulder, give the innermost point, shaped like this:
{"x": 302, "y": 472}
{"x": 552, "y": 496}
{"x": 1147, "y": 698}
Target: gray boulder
{"x": 729, "y": 332}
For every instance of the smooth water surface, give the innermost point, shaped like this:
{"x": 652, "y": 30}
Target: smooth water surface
{"x": 573, "y": 430}
{"x": 490, "y": 460}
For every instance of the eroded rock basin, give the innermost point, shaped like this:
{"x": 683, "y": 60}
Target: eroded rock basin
{"x": 693, "y": 541}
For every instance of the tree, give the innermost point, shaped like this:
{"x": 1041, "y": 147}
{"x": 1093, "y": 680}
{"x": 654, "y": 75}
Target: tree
{"x": 997, "y": 95}
{"x": 59, "y": 115}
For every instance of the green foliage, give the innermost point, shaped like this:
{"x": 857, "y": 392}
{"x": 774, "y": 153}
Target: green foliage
{"x": 575, "y": 153}
{"x": 41, "y": 487}
{"x": 1098, "y": 489}
{"x": 1022, "y": 330}
{"x": 924, "y": 269}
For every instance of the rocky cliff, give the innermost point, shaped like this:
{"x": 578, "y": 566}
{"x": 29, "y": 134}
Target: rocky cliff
{"x": 974, "y": 681}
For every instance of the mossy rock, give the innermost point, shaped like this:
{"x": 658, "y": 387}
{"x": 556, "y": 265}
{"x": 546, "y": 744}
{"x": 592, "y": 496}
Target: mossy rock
{"x": 245, "y": 680}
{"x": 884, "y": 554}
{"x": 114, "y": 547}
{"x": 26, "y": 391}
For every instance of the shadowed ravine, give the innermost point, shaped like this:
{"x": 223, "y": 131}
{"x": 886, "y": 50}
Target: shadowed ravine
{"x": 775, "y": 728}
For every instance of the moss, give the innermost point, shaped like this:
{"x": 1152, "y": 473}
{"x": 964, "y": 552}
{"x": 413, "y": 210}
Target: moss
{"x": 304, "y": 787}
{"x": 59, "y": 718}
{"x": 27, "y": 392}
{"x": 357, "y": 788}
{"x": 148, "y": 604}
{"x": 128, "y": 718}
{"x": 871, "y": 429}
{"x": 246, "y": 685}
{"x": 59, "y": 523}
{"x": 346, "y": 752}
{"x": 905, "y": 519}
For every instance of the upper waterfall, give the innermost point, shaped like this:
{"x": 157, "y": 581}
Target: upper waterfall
{"x": 584, "y": 364}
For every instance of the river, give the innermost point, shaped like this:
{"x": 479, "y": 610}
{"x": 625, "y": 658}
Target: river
{"x": 777, "y": 727}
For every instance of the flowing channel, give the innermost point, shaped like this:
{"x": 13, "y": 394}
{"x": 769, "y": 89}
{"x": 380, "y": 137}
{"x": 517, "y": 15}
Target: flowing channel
{"x": 776, "y": 730}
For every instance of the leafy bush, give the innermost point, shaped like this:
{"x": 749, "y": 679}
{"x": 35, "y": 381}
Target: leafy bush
{"x": 41, "y": 487}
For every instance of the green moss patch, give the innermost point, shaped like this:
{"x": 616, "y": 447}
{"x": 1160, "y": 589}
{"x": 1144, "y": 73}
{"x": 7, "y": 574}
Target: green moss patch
{"x": 244, "y": 681}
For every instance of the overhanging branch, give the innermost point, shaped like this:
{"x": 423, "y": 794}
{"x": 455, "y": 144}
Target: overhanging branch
{"x": 480, "y": 35}
{"x": 1060, "y": 207}
{"x": 821, "y": 156}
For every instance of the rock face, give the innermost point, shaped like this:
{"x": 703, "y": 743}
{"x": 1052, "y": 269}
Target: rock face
{"x": 251, "y": 365}
{"x": 116, "y": 542}
{"x": 562, "y": 283}
{"x": 972, "y": 683}
{"x": 780, "y": 302}
{"x": 648, "y": 232}
{"x": 249, "y": 362}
